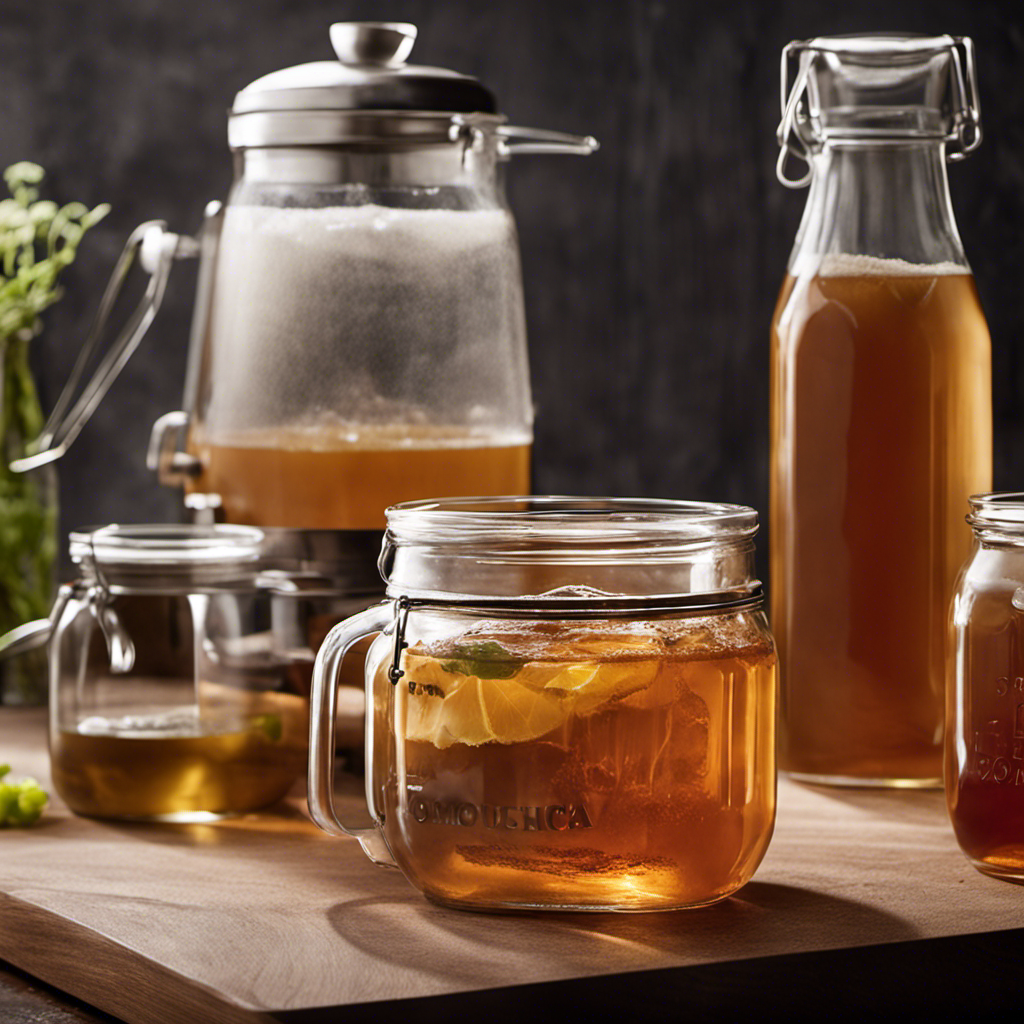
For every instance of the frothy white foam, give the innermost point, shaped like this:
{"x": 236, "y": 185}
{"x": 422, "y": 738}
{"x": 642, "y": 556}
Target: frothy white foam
{"x": 847, "y": 265}
{"x": 349, "y": 308}
{"x": 368, "y": 232}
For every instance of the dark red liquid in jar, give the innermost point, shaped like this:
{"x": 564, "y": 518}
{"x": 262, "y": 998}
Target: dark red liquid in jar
{"x": 985, "y": 729}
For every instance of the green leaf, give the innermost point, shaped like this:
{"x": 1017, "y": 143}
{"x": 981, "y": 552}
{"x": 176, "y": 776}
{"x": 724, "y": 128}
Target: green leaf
{"x": 486, "y": 660}
{"x": 269, "y": 725}
{"x": 23, "y": 172}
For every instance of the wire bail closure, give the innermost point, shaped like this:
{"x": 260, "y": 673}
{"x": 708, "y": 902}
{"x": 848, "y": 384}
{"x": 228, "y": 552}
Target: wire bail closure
{"x": 796, "y": 134}
{"x": 967, "y": 116}
{"x": 794, "y": 117}
{"x": 613, "y": 606}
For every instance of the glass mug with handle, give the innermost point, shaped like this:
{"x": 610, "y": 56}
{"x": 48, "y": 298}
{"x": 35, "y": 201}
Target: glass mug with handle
{"x": 570, "y": 705}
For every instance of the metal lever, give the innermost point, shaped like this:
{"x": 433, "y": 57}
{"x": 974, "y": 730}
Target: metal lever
{"x": 791, "y": 142}
{"x": 30, "y": 635}
{"x": 172, "y": 466}
{"x": 966, "y": 135}
{"x": 156, "y": 249}
{"x": 512, "y": 141}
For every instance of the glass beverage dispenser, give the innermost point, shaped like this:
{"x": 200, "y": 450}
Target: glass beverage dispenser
{"x": 358, "y": 337}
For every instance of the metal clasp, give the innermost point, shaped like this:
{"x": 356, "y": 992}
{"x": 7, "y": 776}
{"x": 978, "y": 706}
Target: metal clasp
{"x": 794, "y": 117}
{"x": 966, "y": 134}
{"x": 402, "y": 605}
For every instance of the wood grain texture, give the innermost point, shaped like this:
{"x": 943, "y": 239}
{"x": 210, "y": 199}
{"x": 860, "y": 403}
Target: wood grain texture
{"x": 27, "y": 1000}
{"x": 248, "y": 919}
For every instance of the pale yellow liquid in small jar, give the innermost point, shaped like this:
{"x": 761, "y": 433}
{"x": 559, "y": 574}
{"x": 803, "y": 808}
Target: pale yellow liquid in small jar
{"x": 177, "y": 766}
{"x": 584, "y": 768}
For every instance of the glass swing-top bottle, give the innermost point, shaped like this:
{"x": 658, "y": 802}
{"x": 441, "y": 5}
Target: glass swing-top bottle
{"x": 881, "y": 405}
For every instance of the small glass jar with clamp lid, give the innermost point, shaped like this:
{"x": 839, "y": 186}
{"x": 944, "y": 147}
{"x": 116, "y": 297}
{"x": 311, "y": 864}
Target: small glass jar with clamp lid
{"x": 166, "y": 697}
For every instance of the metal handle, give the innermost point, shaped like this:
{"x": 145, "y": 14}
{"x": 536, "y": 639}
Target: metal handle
{"x": 30, "y": 635}
{"x": 323, "y": 703}
{"x": 513, "y": 141}
{"x": 24, "y": 638}
{"x": 156, "y": 249}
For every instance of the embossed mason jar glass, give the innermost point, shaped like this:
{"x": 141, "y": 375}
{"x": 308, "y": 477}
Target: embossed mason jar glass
{"x": 985, "y": 691}
{"x": 571, "y": 704}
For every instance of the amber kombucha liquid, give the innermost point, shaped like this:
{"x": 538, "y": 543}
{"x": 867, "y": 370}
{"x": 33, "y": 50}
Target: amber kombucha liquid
{"x": 985, "y": 746}
{"x": 179, "y": 764}
{"x": 586, "y": 768}
{"x": 334, "y": 477}
{"x": 881, "y": 428}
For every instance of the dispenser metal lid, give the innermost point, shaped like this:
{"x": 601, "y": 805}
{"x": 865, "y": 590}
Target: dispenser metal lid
{"x": 321, "y": 102}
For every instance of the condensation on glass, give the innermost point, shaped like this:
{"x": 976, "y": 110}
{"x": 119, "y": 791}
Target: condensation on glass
{"x": 364, "y": 340}
{"x": 881, "y": 405}
{"x": 985, "y": 697}
{"x": 573, "y": 704}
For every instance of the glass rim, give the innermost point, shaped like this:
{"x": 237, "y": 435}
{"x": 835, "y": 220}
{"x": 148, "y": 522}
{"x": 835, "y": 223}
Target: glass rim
{"x": 166, "y": 544}
{"x": 569, "y": 520}
{"x": 997, "y": 510}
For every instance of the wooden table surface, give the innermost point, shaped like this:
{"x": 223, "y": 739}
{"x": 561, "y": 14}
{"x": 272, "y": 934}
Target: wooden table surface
{"x": 265, "y": 918}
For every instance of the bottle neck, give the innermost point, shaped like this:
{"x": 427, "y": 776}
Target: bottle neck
{"x": 889, "y": 201}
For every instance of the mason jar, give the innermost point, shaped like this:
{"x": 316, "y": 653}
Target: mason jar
{"x": 985, "y": 691}
{"x": 573, "y": 704}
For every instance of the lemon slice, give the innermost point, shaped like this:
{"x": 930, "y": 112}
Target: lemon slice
{"x": 590, "y": 685}
{"x": 476, "y": 711}
{"x": 443, "y": 708}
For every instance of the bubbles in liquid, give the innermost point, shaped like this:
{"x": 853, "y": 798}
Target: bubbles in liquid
{"x": 178, "y": 722}
{"x": 848, "y": 265}
{"x": 349, "y": 308}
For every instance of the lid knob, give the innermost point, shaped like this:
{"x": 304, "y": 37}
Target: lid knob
{"x": 380, "y": 43}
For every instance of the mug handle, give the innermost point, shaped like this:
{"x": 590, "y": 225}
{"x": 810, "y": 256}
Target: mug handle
{"x": 323, "y": 702}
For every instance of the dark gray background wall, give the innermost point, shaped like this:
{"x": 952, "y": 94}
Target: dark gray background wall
{"x": 651, "y": 268}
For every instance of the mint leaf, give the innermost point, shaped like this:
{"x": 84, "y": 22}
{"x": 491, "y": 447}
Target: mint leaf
{"x": 486, "y": 660}
{"x": 270, "y": 726}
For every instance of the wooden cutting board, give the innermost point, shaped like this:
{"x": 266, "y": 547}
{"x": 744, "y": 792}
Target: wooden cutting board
{"x": 247, "y": 920}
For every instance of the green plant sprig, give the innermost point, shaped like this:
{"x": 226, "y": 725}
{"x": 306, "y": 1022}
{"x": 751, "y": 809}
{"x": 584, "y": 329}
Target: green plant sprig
{"x": 38, "y": 239}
